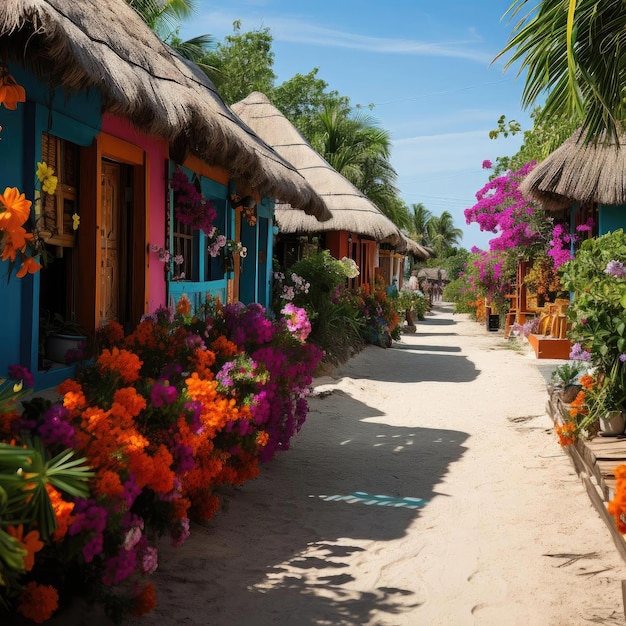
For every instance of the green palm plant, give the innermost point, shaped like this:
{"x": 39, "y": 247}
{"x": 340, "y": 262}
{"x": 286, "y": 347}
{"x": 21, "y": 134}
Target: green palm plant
{"x": 443, "y": 234}
{"x": 575, "y": 52}
{"x": 25, "y": 471}
{"x": 419, "y": 223}
{"x": 24, "y": 474}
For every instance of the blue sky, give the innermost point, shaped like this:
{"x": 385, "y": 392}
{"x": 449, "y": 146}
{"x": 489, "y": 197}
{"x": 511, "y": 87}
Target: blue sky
{"x": 427, "y": 68}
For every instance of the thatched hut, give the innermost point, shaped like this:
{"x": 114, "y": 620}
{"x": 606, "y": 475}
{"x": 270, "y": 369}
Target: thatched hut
{"x": 116, "y": 113}
{"x": 357, "y": 225}
{"x": 107, "y": 47}
{"x": 582, "y": 180}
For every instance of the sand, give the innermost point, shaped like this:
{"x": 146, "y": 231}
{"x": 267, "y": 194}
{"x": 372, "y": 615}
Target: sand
{"x": 427, "y": 487}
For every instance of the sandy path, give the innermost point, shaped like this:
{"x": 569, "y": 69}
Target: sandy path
{"x": 427, "y": 487}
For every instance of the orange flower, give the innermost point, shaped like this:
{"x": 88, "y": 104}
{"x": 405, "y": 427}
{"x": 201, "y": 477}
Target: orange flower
{"x": 14, "y": 240}
{"x": 10, "y": 92}
{"x": 566, "y": 433}
{"x": 224, "y": 347}
{"x": 109, "y": 484}
{"x": 30, "y": 543}
{"x": 125, "y": 363}
{"x": 183, "y": 306}
{"x": 262, "y": 438}
{"x": 132, "y": 402}
{"x": 16, "y": 209}
{"x": 62, "y": 512}
{"x": 586, "y": 381}
{"x": 29, "y": 266}
{"x": 145, "y": 601}
{"x": 38, "y": 602}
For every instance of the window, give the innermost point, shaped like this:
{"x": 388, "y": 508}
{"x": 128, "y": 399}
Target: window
{"x": 57, "y": 210}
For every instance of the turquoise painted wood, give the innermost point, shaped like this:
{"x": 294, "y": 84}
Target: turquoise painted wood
{"x": 77, "y": 119}
{"x": 210, "y": 279}
{"x": 611, "y": 218}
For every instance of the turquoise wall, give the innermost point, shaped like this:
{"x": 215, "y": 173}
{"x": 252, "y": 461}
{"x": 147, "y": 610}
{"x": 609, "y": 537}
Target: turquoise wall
{"x": 611, "y": 218}
{"x": 75, "y": 118}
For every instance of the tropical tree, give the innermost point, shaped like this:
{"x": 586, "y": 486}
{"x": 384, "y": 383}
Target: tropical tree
{"x": 419, "y": 223}
{"x": 164, "y": 18}
{"x": 303, "y": 97}
{"x": 575, "y": 52}
{"x": 541, "y": 140}
{"x": 243, "y": 63}
{"x": 442, "y": 233}
{"x": 356, "y": 148}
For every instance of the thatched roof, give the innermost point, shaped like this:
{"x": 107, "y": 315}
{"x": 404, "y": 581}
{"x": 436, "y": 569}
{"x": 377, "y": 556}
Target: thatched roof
{"x": 407, "y": 246}
{"x": 105, "y": 45}
{"x": 579, "y": 172}
{"x": 351, "y": 209}
{"x": 433, "y": 273}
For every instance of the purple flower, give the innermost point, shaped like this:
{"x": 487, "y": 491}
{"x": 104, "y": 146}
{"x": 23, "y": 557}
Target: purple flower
{"x": 487, "y": 164}
{"x": 578, "y": 354}
{"x": 19, "y": 372}
{"x": 162, "y": 393}
{"x": 615, "y": 268}
{"x": 622, "y": 358}
{"x": 55, "y": 430}
{"x": 149, "y": 560}
{"x": 179, "y": 536}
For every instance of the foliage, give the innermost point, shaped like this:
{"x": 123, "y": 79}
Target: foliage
{"x": 412, "y": 301}
{"x": 572, "y": 51}
{"x": 359, "y": 150}
{"x": 185, "y": 403}
{"x": 568, "y": 373}
{"x": 190, "y": 207}
{"x": 543, "y": 138}
{"x": 491, "y": 276}
{"x": 455, "y": 264}
{"x": 317, "y": 284}
{"x": 519, "y": 222}
{"x": 442, "y": 234}
{"x": 459, "y": 292}
{"x": 544, "y": 281}
{"x": 420, "y": 218}
{"x": 243, "y": 63}
{"x": 597, "y": 278}
{"x": 379, "y": 312}
{"x": 303, "y": 97}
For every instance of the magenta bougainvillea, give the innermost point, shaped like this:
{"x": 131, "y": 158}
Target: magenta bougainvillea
{"x": 190, "y": 206}
{"x": 503, "y": 210}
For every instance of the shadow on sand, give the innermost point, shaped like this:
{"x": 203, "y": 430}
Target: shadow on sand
{"x": 282, "y": 550}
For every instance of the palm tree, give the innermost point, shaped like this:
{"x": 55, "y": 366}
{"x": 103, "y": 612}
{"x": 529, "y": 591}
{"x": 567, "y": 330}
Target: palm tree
{"x": 164, "y": 18}
{"x": 443, "y": 234}
{"x": 419, "y": 223}
{"x": 576, "y": 52}
{"x": 356, "y": 148}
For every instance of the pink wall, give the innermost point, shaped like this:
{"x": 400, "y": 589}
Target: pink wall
{"x": 157, "y": 153}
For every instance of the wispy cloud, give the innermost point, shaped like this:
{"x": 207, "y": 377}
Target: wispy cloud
{"x": 302, "y": 32}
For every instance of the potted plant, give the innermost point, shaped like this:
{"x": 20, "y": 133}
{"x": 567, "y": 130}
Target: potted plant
{"x": 58, "y": 336}
{"x": 565, "y": 380}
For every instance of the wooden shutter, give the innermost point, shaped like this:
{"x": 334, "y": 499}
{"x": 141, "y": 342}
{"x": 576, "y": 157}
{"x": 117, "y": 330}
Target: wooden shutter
{"x": 57, "y": 210}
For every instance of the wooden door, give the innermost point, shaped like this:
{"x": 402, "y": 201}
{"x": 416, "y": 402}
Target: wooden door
{"x": 110, "y": 236}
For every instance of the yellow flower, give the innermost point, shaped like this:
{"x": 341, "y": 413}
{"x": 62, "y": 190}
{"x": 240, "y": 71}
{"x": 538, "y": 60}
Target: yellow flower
{"x": 44, "y": 171}
{"x": 75, "y": 221}
{"x": 50, "y": 184}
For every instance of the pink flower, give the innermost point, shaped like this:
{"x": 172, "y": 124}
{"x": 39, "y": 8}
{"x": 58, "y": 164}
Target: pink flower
{"x": 149, "y": 560}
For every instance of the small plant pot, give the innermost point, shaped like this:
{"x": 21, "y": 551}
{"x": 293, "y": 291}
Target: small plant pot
{"x": 570, "y": 392}
{"x": 58, "y": 345}
{"x": 612, "y": 424}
